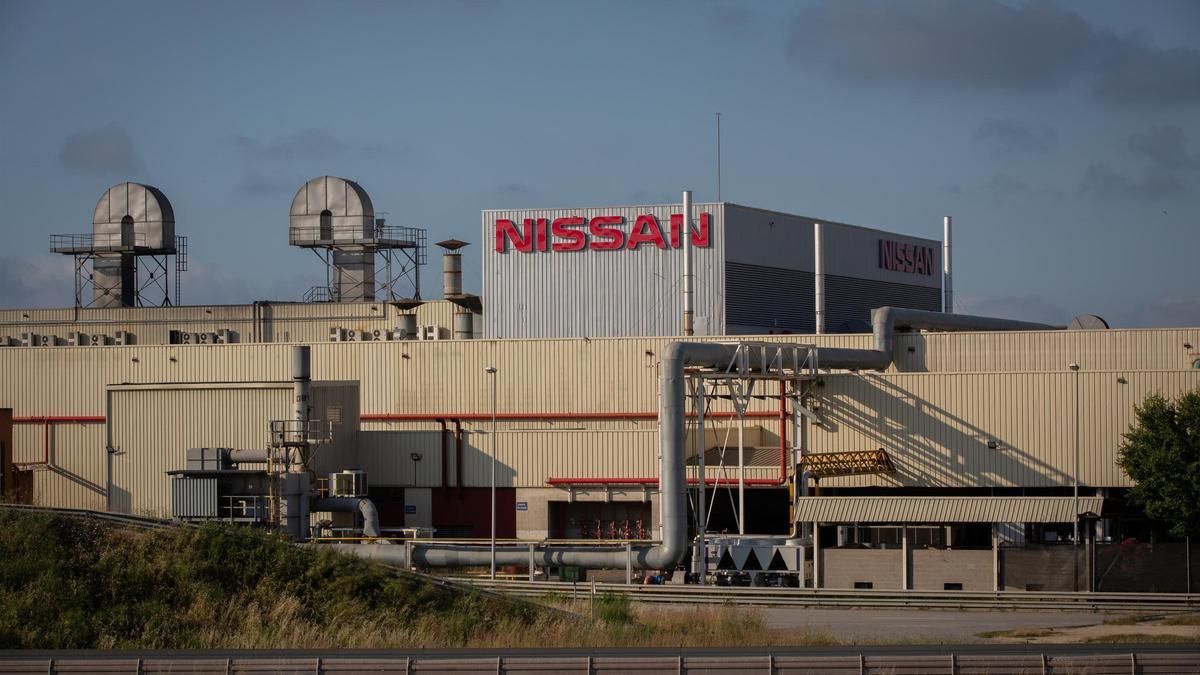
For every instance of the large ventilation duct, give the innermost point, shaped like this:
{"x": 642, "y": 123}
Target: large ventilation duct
{"x": 336, "y": 215}
{"x": 672, "y": 432}
{"x": 361, "y": 505}
{"x": 130, "y": 219}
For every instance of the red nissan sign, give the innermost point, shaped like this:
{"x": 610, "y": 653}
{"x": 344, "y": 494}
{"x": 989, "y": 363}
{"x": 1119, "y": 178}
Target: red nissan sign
{"x": 602, "y": 233}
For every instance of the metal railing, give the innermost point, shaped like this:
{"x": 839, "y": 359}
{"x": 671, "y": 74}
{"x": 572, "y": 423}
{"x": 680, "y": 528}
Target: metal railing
{"x": 392, "y": 236}
{"x": 992, "y": 659}
{"x": 115, "y": 241}
{"x": 244, "y": 508}
{"x": 826, "y": 597}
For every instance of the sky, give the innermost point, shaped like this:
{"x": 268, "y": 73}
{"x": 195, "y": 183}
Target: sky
{"x": 1064, "y": 137}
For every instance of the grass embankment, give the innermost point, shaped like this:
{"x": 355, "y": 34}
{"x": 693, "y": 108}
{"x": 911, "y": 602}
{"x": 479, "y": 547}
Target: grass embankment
{"x": 74, "y": 583}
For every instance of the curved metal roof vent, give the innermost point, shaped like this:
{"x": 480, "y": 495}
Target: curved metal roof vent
{"x": 126, "y": 260}
{"x": 1088, "y": 322}
{"x": 335, "y": 218}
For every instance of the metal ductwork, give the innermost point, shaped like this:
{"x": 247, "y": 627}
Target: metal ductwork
{"x": 361, "y": 505}
{"x": 672, "y": 441}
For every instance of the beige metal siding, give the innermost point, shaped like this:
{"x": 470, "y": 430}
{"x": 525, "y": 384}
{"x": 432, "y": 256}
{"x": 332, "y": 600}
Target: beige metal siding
{"x": 152, "y": 428}
{"x": 1013, "y": 388}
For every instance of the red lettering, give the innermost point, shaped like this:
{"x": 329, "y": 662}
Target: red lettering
{"x": 646, "y": 230}
{"x": 606, "y": 238}
{"x": 700, "y": 235}
{"x": 564, "y": 228}
{"x": 543, "y": 241}
{"x": 506, "y": 231}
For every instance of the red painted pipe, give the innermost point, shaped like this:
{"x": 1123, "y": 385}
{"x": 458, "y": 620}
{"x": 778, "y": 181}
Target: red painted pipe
{"x": 445, "y": 450}
{"x": 549, "y": 416}
{"x": 458, "y": 454}
{"x": 46, "y": 421}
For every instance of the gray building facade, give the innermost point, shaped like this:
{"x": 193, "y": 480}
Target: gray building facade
{"x": 617, "y": 271}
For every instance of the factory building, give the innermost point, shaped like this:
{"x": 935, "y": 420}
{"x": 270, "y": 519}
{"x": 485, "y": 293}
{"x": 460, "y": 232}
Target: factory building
{"x": 617, "y": 271}
{"x": 863, "y": 458}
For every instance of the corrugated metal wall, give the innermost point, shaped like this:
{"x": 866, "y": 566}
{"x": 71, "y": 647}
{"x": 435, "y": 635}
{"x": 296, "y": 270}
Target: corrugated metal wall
{"x": 152, "y": 427}
{"x": 601, "y": 293}
{"x": 1013, "y": 387}
{"x": 849, "y": 299}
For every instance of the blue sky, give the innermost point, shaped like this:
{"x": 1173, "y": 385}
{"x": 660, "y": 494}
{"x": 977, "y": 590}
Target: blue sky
{"x": 1063, "y": 136}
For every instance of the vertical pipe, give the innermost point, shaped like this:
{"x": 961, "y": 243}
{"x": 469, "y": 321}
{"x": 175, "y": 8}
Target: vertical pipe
{"x": 458, "y": 454}
{"x": 688, "y": 300}
{"x": 904, "y": 558}
{"x": 741, "y": 471}
{"x": 301, "y": 382}
{"x": 947, "y": 279}
{"x": 819, "y": 275}
{"x": 701, "y": 482}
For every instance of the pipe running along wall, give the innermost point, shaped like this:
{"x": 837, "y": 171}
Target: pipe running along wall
{"x": 672, "y": 439}
{"x": 350, "y": 505}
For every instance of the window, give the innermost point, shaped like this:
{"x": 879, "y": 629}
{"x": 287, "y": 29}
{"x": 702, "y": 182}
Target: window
{"x": 951, "y": 586}
{"x": 864, "y": 585}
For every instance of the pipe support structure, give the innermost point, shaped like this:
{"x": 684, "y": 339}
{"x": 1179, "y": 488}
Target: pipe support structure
{"x": 677, "y": 358}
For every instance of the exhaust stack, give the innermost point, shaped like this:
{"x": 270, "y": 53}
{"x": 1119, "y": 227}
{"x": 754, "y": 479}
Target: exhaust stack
{"x": 688, "y": 296}
{"x": 819, "y": 274}
{"x": 947, "y": 280}
{"x": 466, "y": 304}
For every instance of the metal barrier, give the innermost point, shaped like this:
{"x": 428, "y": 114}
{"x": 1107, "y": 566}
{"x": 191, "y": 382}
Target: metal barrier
{"x": 824, "y": 597}
{"x": 781, "y": 662}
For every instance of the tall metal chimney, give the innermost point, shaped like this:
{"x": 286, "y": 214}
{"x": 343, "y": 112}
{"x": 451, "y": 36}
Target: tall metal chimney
{"x": 464, "y": 317}
{"x": 947, "y": 279}
{"x": 301, "y": 381}
{"x": 819, "y": 274}
{"x": 688, "y": 296}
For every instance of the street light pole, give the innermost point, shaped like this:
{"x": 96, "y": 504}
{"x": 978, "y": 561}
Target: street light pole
{"x": 1075, "y": 369}
{"x": 491, "y": 370}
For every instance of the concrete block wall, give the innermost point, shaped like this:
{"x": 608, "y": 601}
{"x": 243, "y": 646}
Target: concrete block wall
{"x": 842, "y": 567}
{"x": 932, "y": 568}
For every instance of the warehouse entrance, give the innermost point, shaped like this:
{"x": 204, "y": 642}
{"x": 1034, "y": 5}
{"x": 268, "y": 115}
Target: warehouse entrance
{"x": 767, "y": 510}
{"x": 601, "y": 520}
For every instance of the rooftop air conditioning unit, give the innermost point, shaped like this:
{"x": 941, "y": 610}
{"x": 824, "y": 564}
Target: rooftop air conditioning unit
{"x": 29, "y": 339}
{"x": 97, "y": 339}
{"x": 76, "y": 339}
{"x": 204, "y": 338}
{"x": 43, "y": 340}
{"x": 123, "y": 338}
{"x": 429, "y": 333}
{"x": 379, "y": 334}
{"x": 400, "y": 333}
{"x": 337, "y": 334}
{"x": 221, "y": 337}
{"x": 348, "y": 484}
{"x": 352, "y": 335}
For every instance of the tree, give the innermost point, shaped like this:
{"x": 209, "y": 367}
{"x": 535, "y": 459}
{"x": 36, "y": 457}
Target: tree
{"x": 1161, "y": 453}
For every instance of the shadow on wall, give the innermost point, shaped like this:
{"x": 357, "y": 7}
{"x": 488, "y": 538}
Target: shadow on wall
{"x": 389, "y": 454}
{"x": 929, "y": 445}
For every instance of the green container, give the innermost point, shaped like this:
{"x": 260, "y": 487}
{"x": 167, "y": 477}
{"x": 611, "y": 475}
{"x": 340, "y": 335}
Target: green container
{"x": 575, "y": 574}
